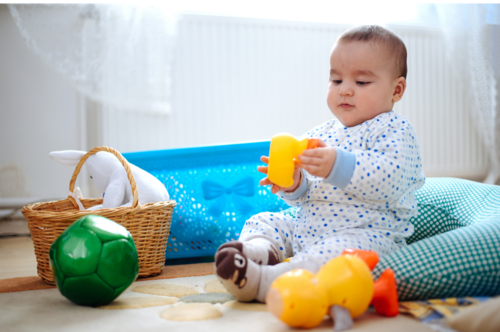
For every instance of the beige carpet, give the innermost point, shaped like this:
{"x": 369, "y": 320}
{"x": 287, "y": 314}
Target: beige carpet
{"x": 17, "y": 254}
{"x": 175, "y": 271}
{"x": 29, "y": 304}
{"x": 48, "y": 310}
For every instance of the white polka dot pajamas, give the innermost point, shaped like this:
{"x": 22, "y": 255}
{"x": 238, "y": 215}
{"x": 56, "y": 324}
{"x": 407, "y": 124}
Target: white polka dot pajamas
{"x": 365, "y": 202}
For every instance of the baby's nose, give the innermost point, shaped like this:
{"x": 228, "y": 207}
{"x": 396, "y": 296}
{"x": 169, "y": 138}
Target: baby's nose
{"x": 346, "y": 90}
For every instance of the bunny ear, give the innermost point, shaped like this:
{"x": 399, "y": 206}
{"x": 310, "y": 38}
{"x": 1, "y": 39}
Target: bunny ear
{"x": 67, "y": 157}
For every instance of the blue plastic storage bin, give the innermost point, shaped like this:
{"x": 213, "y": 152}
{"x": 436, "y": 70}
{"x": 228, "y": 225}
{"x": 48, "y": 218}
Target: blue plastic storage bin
{"x": 216, "y": 189}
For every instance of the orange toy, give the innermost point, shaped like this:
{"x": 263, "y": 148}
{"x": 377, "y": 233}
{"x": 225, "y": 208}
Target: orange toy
{"x": 343, "y": 288}
{"x": 282, "y": 153}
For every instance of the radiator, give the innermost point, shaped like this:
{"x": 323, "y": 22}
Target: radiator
{"x": 242, "y": 79}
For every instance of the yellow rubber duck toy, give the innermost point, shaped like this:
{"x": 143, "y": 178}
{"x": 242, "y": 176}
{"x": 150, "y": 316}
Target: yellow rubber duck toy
{"x": 343, "y": 288}
{"x": 283, "y": 151}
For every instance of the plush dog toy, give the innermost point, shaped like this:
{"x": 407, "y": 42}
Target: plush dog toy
{"x": 110, "y": 178}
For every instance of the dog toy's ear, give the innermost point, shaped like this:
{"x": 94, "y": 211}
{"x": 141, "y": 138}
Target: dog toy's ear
{"x": 67, "y": 157}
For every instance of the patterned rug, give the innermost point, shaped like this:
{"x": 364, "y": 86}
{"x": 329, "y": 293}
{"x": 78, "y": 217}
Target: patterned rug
{"x": 164, "y": 305}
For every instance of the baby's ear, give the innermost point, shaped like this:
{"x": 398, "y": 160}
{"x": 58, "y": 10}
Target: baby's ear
{"x": 399, "y": 89}
{"x": 67, "y": 157}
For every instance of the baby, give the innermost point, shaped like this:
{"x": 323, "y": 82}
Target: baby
{"x": 356, "y": 190}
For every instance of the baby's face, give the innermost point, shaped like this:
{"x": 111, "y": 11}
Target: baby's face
{"x": 362, "y": 82}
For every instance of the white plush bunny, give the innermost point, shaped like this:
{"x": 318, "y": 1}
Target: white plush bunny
{"x": 109, "y": 177}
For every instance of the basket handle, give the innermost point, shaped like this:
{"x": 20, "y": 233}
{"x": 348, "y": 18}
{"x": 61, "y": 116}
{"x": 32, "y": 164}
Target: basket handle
{"x": 125, "y": 164}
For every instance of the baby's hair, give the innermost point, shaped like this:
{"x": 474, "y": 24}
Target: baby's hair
{"x": 383, "y": 37}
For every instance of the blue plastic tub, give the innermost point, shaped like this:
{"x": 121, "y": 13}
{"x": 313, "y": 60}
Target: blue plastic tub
{"x": 216, "y": 189}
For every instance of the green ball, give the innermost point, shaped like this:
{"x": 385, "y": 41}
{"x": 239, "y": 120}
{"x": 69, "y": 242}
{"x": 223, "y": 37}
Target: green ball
{"x": 93, "y": 261}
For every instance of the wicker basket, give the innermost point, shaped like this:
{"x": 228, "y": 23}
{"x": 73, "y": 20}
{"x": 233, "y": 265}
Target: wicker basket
{"x": 149, "y": 224}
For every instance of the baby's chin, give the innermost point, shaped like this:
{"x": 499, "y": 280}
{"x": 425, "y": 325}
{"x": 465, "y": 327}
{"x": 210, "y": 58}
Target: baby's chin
{"x": 349, "y": 120}
{"x": 350, "y": 123}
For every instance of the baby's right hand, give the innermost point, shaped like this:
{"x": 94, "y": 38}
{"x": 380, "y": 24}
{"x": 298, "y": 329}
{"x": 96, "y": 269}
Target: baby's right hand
{"x": 297, "y": 174}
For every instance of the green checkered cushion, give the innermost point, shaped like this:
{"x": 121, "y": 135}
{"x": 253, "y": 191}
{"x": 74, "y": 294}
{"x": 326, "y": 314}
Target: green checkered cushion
{"x": 445, "y": 204}
{"x": 464, "y": 261}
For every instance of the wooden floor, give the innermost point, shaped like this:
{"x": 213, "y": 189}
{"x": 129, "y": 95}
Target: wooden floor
{"x": 17, "y": 255}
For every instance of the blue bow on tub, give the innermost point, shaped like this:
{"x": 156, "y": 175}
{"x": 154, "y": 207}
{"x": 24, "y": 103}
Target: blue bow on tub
{"x": 214, "y": 190}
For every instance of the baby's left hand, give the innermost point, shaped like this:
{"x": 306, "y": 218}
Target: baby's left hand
{"x": 319, "y": 161}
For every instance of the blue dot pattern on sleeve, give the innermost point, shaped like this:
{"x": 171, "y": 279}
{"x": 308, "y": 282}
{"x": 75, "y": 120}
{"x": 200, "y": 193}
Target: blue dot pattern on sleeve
{"x": 375, "y": 206}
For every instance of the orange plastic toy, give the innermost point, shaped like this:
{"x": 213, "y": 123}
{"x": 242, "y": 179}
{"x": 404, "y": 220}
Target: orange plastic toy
{"x": 343, "y": 288}
{"x": 282, "y": 153}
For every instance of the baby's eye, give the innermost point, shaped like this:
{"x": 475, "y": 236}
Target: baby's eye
{"x": 361, "y": 83}
{"x": 336, "y": 81}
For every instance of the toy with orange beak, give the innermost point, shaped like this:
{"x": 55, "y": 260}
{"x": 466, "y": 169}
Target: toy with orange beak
{"x": 283, "y": 152}
{"x": 343, "y": 288}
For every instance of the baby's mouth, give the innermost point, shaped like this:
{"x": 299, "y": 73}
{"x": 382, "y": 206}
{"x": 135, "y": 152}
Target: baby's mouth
{"x": 346, "y": 106}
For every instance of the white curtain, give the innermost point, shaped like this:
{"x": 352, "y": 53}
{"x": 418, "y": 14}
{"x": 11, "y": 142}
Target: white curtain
{"x": 118, "y": 55}
{"x": 472, "y": 35}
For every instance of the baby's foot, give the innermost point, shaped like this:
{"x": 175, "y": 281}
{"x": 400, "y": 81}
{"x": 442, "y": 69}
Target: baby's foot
{"x": 259, "y": 250}
{"x": 237, "y": 273}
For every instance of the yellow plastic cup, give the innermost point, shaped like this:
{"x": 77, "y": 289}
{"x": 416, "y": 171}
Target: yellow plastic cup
{"x": 282, "y": 155}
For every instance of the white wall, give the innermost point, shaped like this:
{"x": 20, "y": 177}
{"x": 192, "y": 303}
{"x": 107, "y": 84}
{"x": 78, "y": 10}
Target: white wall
{"x": 38, "y": 113}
